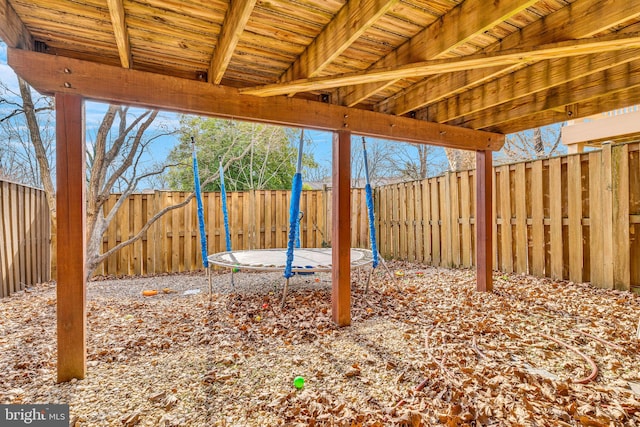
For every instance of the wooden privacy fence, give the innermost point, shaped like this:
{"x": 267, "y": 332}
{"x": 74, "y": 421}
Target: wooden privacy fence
{"x": 575, "y": 217}
{"x": 258, "y": 219}
{"x": 24, "y": 237}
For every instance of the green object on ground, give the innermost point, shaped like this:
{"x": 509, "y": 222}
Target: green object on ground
{"x": 298, "y": 382}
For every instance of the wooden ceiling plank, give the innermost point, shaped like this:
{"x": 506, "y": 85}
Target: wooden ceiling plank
{"x": 458, "y": 26}
{"x": 526, "y": 81}
{"x": 581, "y": 19}
{"x": 595, "y": 85}
{"x": 54, "y": 74}
{"x": 118, "y": 20}
{"x": 601, "y": 104}
{"x": 512, "y": 56}
{"x": 353, "y": 19}
{"x": 234, "y": 23}
{"x": 12, "y": 30}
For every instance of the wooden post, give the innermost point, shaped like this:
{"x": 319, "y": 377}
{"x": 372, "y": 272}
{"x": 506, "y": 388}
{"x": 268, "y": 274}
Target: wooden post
{"x": 341, "y": 229}
{"x": 484, "y": 227}
{"x": 70, "y": 203}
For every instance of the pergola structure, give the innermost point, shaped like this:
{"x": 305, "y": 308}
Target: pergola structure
{"x": 452, "y": 73}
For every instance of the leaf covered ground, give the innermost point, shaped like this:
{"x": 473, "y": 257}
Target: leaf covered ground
{"x": 425, "y": 349}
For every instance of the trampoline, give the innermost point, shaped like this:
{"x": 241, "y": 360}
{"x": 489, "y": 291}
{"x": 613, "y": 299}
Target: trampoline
{"x": 306, "y": 260}
{"x": 291, "y": 260}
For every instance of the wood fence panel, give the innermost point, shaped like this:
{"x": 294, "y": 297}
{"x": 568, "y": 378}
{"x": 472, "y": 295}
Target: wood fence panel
{"x": 506, "y": 235}
{"x": 444, "y": 196}
{"x": 555, "y": 199}
{"x": 574, "y": 194}
{"x": 5, "y": 243}
{"x": 620, "y": 194}
{"x": 520, "y": 198}
{"x": 136, "y": 261}
{"x": 494, "y": 202}
{"x": 435, "y": 223}
{"x": 455, "y": 220}
{"x": 634, "y": 217}
{"x": 426, "y": 222}
{"x": 465, "y": 220}
{"x": 268, "y": 215}
{"x": 537, "y": 221}
{"x": 24, "y": 238}
{"x": 403, "y": 229}
{"x": 607, "y": 218}
{"x": 417, "y": 220}
{"x": 596, "y": 231}
{"x": 22, "y": 257}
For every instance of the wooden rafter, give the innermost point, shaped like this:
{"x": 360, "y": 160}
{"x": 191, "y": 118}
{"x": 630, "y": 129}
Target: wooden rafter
{"x": 535, "y": 78}
{"x": 460, "y": 25}
{"x": 595, "y": 85}
{"x": 12, "y": 30}
{"x": 608, "y": 102}
{"x": 353, "y": 19}
{"x": 512, "y": 56}
{"x": 49, "y": 74}
{"x": 581, "y": 19}
{"x": 116, "y": 10}
{"x": 232, "y": 28}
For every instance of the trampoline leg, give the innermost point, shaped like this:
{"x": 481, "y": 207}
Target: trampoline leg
{"x": 233, "y": 283}
{"x": 210, "y": 286}
{"x": 366, "y": 288}
{"x": 384, "y": 264}
{"x": 284, "y": 292}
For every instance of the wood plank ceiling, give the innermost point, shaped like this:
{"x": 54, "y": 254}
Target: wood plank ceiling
{"x": 500, "y": 66}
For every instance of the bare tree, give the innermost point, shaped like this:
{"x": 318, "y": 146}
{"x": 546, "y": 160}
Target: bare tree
{"x": 460, "y": 159}
{"x": 114, "y": 159}
{"x": 537, "y": 143}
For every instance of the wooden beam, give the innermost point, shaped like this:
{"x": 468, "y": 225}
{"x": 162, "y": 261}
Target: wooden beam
{"x": 71, "y": 246}
{"x": 341, "y": 229}
{"x": 116, "y": 10}
{"x": 540, "y": 76}
{"x": 234, "y": 23}
{"x": 592, "y": 86}
{"x": 484, "y": 221}
{"x": 351, "y": 21}
{"x": 48, "y": 74}
{"x": 12, "y": 30}
{"x": 581, "y": 19}
{"x": 519, "y": 56}
{"x": 602, "y": 128}
{"x": 458, "y": 26}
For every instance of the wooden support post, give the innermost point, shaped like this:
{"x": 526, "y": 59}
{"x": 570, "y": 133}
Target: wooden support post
{"x": 70, "y": 203}
{"x": 341, "y": 230}
{"x": 484, "y": 226}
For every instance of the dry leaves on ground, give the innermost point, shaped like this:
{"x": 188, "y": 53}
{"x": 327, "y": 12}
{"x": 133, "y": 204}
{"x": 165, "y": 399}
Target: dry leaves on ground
{"x": 425, "y": 349}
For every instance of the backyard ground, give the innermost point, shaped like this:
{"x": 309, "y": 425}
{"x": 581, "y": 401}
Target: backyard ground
{"x": 483, "y": 359}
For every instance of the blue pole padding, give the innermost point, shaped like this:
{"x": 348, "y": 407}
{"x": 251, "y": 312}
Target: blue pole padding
{"x": 196, "y": 179}
{"x": 296, "y": 189}
{"x": 372, "y": 225}
{"x": 294, "y": 208}
{"x": 225, "y": 214}
{"x": 370, "y": 211}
